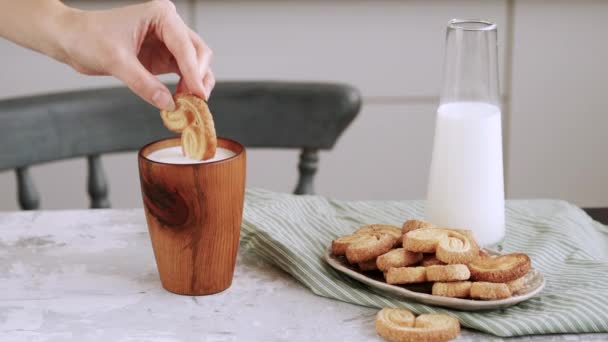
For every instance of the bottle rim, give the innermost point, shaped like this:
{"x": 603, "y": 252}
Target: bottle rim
{"x": 471, "y": 25}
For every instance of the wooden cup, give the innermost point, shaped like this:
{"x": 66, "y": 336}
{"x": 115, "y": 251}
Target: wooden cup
{"x": 194, "y": 214}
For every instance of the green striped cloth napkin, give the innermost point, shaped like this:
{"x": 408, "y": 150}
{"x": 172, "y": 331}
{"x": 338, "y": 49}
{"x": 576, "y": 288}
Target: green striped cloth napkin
{"x": 565, "y": 244}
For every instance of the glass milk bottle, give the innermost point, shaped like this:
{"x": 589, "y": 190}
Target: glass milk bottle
{"x": 466, "y": 185}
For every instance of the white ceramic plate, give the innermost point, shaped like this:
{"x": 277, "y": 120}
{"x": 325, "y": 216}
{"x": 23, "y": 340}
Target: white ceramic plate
{"x": 535, "y": 282}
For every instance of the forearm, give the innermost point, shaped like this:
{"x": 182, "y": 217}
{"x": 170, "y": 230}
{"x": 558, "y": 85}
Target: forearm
{"x": 36, "y": 24}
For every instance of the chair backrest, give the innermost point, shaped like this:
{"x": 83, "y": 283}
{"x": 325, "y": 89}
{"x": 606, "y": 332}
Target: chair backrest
{"x": 88, "y": 123}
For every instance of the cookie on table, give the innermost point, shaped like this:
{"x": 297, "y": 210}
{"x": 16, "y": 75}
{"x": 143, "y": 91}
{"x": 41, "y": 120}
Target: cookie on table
{"x": 399, "y": 325}
{"x": 397, "y": 258}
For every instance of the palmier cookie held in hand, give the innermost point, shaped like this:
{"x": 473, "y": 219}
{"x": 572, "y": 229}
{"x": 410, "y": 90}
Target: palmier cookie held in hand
{"x": 382, "y": 228}
{"x": 367, "y": 249}
{"x": 430, "y": 260}
{"x": 397, "y": 258}
{"x": 410, "y": 225}
{"x": 368, "y": 265}
{"x": 338, "y": 246}
{"x": 456, "y": 289}
{"x": 500, "y": 269}
{"x": 455, "y": 272}
{"x": 405, "y": 275}
{"x": 489, "y": 291}
{"x": 193, "y": 119}
{"x": 423, "y": 240}
{"x": 457, "y": 248}
{"x": 400, "y": 325}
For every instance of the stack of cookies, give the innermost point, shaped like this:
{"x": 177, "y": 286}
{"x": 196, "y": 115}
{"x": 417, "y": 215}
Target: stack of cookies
{"x": 421, "y": 252}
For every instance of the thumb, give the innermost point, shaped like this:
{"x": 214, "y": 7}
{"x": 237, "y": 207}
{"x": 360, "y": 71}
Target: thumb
{"x": 145, "y": 85}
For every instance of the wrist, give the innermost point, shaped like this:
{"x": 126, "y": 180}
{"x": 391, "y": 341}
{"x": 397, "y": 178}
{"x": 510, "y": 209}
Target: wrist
{"x": 61, "y": 32}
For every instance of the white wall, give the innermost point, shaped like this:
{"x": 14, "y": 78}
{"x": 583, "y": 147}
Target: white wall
{"x": 392, "y": 51}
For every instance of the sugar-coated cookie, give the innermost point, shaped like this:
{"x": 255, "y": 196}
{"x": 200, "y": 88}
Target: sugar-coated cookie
{"x": 397, "y": 258}
{"x": 423, "y": 240}
{"x": 369, "y": 248}
{"x": 456, "y": 289}
{"x": 400, "y": 325}
{"x": 489, "y": 291}
{"x": 500, "y": 269}
{"x": 457, "y": 248}
{"x": 444, "y": 273}
{"x": 405, "y": 275}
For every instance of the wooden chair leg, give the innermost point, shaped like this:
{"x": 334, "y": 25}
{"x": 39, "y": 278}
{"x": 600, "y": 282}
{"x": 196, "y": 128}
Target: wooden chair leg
{"x": 96, "y": 183}
{"x": 26, "y": 190}
{"x": 309, "y": 163}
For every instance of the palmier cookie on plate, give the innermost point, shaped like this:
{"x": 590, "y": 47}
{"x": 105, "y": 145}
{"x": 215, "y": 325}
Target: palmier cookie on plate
{"x": 400, "y": 325}
{"x": 517, "y": 284}
{"x": 382, "y": 228}
{"x": 410, "y": 225}
{"x": 456, "y": 289}
{"x": 371, "y": 247}
{"x": 338, "y": 246}
{"x": 489, "y": 291}
{"x": 430, "y": 260}
{"x": 454, "y": 272}
{"x": 500, "y": 269}
{"x": 457, "y": 248}
{"x": 368, "y": 265}
{"x": 397, "y": 258}
{"x": 423, "y": 240}
{"x": 405, "y": 275}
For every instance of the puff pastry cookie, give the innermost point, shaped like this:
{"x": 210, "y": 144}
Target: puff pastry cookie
{"x": 372, "y": 246}
{"x": 382, "y": 228}
{"x": 397, "y": 258}
{"x": 500, "y": 269}
{"x": 400, "y": 325}
{"x": 444, "y": 273}
{"x": 368, "y": 265}
{"x": 405, "y": 275}
{"x": 430, "y": 260}
{"x": 410, "y": 225}
{"x": 457, "y": 289}
{"x": 193, "y": 119}
{"x": 489, "y": 291}
{"x": 457, "y": 248}
{"x": 423, "y": 240}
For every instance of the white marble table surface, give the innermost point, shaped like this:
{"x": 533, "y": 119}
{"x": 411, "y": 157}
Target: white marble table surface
{"x": 90, "y": 276}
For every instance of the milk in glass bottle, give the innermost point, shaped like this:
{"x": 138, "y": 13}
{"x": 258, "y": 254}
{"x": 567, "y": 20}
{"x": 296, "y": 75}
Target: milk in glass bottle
{"x": 466, "y": 186}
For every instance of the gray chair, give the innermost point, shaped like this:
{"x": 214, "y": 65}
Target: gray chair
{"x": 38, "y": 129}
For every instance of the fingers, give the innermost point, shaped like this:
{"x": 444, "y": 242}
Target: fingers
{"x": 144, "y": 84}
{"x": 176, "y": 36}
{"x": 209, "y": 83}
{"x": 204, "y": 56}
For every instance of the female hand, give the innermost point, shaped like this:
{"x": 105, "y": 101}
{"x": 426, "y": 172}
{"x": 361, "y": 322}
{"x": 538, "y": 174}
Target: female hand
{"x": 134, "y": 43}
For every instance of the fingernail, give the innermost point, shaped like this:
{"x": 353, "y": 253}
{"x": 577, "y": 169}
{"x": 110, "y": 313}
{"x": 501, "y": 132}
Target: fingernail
{"x": 163, "y": 100}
